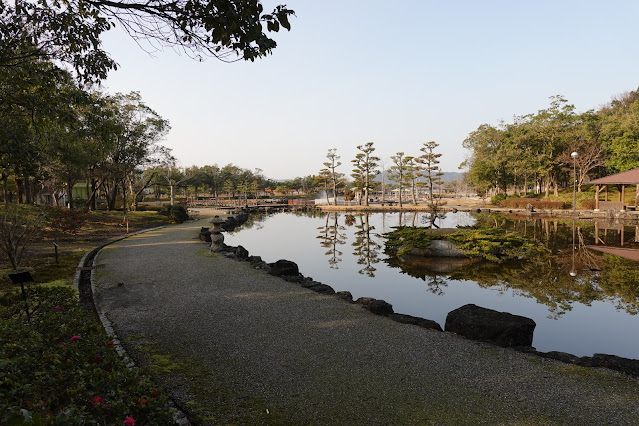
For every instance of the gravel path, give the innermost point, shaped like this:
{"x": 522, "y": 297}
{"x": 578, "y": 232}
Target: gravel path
{"x": 235, "y": 345}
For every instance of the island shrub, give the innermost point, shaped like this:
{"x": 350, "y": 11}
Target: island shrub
{"x": 497, "y": 199}
{"x": 59, "y": 367}
{"x": 493, "y": 244}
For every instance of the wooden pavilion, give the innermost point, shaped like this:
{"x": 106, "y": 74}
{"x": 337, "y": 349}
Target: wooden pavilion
{"x": 623, "y": 179}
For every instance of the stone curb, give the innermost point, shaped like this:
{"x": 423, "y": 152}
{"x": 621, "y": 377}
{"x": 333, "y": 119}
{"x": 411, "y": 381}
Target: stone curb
{"x": 178, "y": 415}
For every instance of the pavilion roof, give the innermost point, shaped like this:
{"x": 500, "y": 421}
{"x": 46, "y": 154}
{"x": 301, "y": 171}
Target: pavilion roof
{"x": 629, "y": 177}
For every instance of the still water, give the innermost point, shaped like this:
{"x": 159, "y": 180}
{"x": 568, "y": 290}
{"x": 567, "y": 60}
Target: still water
{"x": 583, "y": 301}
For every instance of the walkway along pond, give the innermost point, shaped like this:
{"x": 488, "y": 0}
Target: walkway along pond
{"x": 583, "y": 301}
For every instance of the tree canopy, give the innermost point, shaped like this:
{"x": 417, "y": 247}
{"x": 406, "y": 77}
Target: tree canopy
{"x": 69, "y": 30}
{"x": 535, "y": 149}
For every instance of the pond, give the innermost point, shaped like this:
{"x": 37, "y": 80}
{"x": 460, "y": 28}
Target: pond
{"x": 583, "y": 301}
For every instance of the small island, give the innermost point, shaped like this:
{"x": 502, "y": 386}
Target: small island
{"x": 491, "y": 244}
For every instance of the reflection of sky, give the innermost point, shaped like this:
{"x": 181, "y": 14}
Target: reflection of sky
{"x": 582, "y": 331}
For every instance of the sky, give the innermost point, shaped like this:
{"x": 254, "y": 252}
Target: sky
{"x": 394, "y": 73}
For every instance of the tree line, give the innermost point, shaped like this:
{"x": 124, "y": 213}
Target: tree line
{"x": 59, "y": 129}
{"x": 535, "y": 151}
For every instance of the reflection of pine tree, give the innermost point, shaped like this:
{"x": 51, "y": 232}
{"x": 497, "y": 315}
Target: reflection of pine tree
{"x": 435, "y": 284}
{"x": 365, "y": 247}
{"x": 332, "y": 238}
{"x": 430, "y": 217}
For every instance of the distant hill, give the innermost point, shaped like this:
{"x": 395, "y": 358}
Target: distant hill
{"x": 452, "y": 176}
{"x": 448, "y": 177}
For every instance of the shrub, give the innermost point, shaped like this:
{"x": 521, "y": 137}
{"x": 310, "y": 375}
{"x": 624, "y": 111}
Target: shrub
{"x": 497, "y": 199}
{"x": 176, "y": 213}
{"x": 521, "y": 203}
{"x": 67, "y": 220}
{"x": 588, "y": 204}
{"x": 61, "y": 368}
{"x": 492, "y": 244}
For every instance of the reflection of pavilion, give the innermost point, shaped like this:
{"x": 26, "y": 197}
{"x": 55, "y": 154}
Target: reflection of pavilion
{"x": 632, "y": 254}
{"x": 616, "y": 226}
{"x": 601, "y": 243}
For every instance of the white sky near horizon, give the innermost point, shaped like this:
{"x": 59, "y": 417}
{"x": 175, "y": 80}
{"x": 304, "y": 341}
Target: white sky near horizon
{"x": 394, "y": 73}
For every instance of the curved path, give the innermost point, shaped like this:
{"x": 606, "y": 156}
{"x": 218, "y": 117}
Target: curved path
{"x": 235, "y": 345}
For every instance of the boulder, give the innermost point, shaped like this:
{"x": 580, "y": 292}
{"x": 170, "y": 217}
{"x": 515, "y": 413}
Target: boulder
{"x": 283, "y": 267}
{"x": 376, "y": 306}
{"x": 205, "y": 234}
{"x": 420, "y": 322}
{"x": 487, "y": 325}
{"x": 560, "y": 356}
{"x": 322, "y": 288}
{"x": 241, "y": 253}
{"x": 614, "y": 362}
{"x": 345, "y": 295}
{"x": 439, "y": 248}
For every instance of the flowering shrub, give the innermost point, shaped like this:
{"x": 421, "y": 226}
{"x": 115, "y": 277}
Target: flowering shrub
{"x": 60, "y": 367}
{"x": 66, "y": 220}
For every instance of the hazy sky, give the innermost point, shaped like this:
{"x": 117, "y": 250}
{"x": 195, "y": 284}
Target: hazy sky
{"x": 395, "y": 73}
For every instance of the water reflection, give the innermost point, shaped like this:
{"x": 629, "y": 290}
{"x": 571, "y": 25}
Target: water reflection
{"x": 583, "y": 301}
{"x": 366, "y": 247}
{"x": 571, "y": 272}
{"x": 331, "y": 238}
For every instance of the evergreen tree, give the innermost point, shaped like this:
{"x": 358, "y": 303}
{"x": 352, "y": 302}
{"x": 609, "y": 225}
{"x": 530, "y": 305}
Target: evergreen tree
{"x": 331, "y": 165}
{"x": 400, "y": 172}
{"x": 429, "y": 168}
{"x": 365, "y": 169}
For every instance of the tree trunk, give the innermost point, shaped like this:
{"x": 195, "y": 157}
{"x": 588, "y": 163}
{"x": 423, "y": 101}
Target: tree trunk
{"x": 413, "y": 192}
{"x": 70, "y": 194}
{"x": 112, "y": 194}
{"x": 20, "y": 190}
{"x": 366, "y": 190}
{"x": 27, "y": 190}
{"x": 172, "y": 186}
{"x": 134, "y": 197}
{"x": 5, "y": 190}
{"x": 124, "y": 203}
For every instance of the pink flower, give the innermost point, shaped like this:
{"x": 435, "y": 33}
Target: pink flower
{"x": 75, "y": 339}
{"x": 97, "y": 359}
{"x": 97, "y": 400}
{"x": 129, "y": 421}
{"x": 58, "y": 308}
{"x": 110, "y": 342}
{"x": 61, "y": 345}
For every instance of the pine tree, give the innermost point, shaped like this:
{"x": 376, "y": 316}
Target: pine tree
{"x": 331, "y": 165}
{"x": 400, "y": 172}
{"x": 365, "y": 169}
